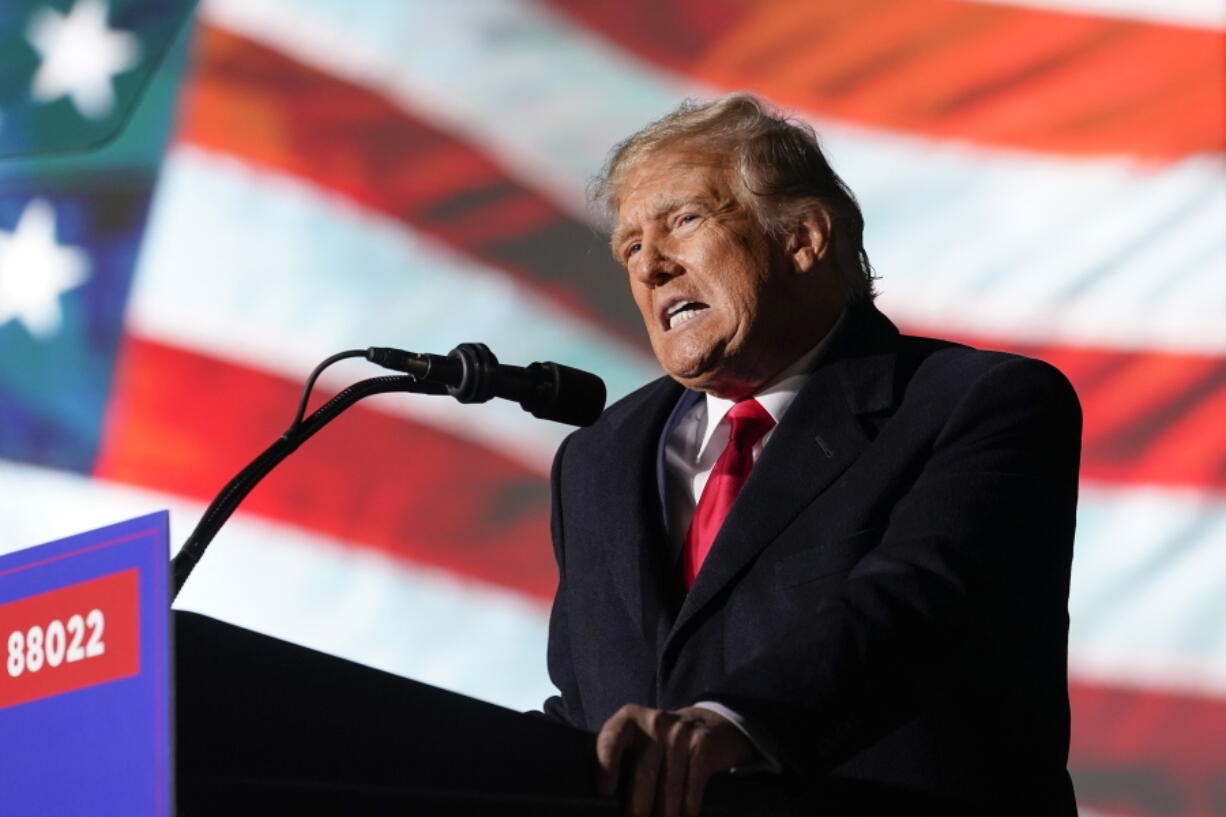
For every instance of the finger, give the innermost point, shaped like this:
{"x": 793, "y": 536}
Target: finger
{"x": 611, "y": 744}
{"x": 676, "y": 768}
{"x": 644, "y": 779}
{"x": 699, "y": 771}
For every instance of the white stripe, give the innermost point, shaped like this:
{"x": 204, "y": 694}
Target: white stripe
{"x": 272, "y": 272}
{"x": 967, "y": 240}
{"x": 331, "y": 595}
{"x": 1146, "y": 602}
{"x": 556, "y": 93}
{"x": 1201, "y": 13}
{"x": 1032, "y": 250}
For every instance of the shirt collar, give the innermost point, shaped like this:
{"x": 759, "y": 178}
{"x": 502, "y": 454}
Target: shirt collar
{"x": 777, "y": 395}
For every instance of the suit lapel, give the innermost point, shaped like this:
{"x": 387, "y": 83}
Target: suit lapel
{"x": 636, "y": 545}
{"x": 819, "y": 437}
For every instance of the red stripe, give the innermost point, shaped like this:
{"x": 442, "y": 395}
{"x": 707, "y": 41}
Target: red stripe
{"x": 185, "y": 424}
{"x": 1150, "y": 416}
{"x": 1148, "y": 752}
{"x": 1027, "y": 78}
{"x": 255, "y": 103}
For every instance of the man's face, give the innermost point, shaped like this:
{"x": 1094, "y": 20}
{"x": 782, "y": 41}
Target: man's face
{"x": 719, "y": 297}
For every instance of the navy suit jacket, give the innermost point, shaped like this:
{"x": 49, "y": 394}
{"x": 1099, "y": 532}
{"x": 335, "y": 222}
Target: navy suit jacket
{"x": 888, "y": 595}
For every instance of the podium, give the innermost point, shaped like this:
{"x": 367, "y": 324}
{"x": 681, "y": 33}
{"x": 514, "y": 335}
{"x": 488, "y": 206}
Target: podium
{"x": 265, "y": 727}
{"x": 268, "y": 727}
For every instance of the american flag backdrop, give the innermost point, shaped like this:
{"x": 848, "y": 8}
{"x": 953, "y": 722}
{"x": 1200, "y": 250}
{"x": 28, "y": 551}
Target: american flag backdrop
{"x": 299, "y": 177}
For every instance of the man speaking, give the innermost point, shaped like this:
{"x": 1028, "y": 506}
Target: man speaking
{"x": 818, "y": 547}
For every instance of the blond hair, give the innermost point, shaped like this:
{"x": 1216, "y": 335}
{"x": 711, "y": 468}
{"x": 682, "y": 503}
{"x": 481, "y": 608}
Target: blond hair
{"x": 781, "y": 169}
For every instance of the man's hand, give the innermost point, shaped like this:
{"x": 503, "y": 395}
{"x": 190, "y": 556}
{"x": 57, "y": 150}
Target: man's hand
{"x": 669, "y": 757}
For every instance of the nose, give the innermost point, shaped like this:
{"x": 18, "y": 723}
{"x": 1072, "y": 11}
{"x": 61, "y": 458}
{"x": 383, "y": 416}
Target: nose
{"x": 654, "y": 264}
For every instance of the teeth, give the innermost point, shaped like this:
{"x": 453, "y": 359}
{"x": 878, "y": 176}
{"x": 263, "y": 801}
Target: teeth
{"x": 677, "y": 307}
{"x": 679, "y": 318}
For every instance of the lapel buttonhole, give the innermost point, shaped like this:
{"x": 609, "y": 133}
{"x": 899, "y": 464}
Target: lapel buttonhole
{"x": 825, "y": 448}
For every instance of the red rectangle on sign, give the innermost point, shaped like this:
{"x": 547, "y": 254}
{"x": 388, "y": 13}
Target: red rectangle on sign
{"x": 71, "y": 638}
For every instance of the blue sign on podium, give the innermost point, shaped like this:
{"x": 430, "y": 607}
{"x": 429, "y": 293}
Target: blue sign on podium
{"x": 85, "y": 714}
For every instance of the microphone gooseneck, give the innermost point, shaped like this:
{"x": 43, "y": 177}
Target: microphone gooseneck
{"x": 470, "y": 373}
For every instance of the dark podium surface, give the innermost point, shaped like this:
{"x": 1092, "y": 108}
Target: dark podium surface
{"x": 265, "y": 727}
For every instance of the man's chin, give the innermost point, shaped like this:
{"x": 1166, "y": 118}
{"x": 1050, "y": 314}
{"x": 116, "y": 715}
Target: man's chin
{"x": 700, "y": 367}
{"x": 716, "y": 381}
{"x": 692, "y": 377}
{"x": 682, "y": 358}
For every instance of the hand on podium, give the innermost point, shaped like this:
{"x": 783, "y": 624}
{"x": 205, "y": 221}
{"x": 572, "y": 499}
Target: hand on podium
{"x": 668, "y": 757}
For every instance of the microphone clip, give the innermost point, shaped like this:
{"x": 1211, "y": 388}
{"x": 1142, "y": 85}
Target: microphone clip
{"x": 478, "y": 373}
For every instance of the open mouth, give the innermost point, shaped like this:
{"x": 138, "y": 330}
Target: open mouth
{"x": 682, "y": 311}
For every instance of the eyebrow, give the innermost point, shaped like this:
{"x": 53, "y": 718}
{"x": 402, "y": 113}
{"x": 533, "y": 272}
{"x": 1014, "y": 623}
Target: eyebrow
{"x": 668, "y": 205}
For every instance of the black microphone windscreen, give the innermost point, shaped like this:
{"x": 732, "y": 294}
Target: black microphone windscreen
{"x": 572, "y": 396}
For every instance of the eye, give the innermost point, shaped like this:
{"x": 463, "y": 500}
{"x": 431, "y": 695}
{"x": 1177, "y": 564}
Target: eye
{"x": 633, "y": 249}
{"x": 687, "y": 218}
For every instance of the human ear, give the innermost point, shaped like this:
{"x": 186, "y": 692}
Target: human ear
{"x": 809, "y": 240}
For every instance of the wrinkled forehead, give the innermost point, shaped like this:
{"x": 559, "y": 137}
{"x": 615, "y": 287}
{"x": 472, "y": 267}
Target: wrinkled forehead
{"x": 661, "y": 180}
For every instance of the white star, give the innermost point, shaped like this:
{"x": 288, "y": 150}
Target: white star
{"x": 35, "y": 271}
{"x": 80, "y": 56}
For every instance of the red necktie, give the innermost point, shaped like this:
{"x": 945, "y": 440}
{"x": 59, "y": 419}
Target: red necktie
{"x": 749, "y": 423}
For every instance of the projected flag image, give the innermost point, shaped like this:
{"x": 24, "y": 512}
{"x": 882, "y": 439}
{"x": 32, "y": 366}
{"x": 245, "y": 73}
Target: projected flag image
{"x": 197, "y": 205}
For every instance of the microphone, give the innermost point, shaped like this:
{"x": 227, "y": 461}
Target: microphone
{"x": 471, "y": 374}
